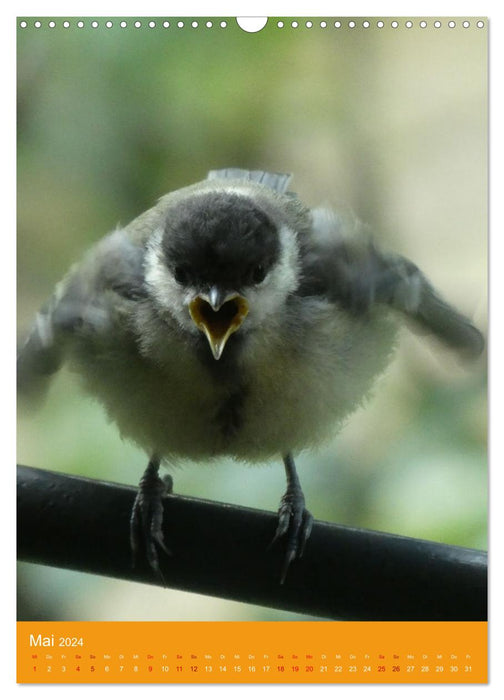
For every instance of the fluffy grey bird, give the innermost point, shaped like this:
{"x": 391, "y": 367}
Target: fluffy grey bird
{"x": 230, "y": 320}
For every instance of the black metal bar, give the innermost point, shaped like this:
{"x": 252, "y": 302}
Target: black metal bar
{"x": 222, "y": 550}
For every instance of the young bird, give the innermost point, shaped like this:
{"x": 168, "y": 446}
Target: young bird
{"x": 230, "y": 320}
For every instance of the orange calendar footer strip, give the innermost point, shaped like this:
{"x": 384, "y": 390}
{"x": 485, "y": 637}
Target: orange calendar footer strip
{"x": 252, "y": 652}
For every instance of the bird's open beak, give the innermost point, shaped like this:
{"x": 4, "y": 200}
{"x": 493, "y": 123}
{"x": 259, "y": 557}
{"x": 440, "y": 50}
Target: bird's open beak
{"x": 218, "y": 315}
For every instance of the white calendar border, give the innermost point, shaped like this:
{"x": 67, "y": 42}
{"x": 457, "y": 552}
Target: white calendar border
{"x": 243, "y": 9}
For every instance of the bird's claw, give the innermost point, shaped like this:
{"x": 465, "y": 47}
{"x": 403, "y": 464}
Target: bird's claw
{"x": 147, "y": 519}
{"x": 295, "y": 523}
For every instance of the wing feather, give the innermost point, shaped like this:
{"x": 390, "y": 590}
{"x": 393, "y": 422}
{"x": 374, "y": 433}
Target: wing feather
{"x": 86, "y": 301}
{"x": 341, "y": 262}
{"x": 275, "y": 181}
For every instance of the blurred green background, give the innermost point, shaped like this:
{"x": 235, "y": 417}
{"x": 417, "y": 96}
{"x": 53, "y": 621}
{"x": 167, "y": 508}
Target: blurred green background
{"x": 389, "y": 123}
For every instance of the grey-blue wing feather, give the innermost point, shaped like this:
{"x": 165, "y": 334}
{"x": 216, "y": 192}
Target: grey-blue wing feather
{"x": 40, "y": 355}
{"x": 450, "y": 326}
{"x": 109, "y": 276}
{"x": 350, "y": 270}
{"x": 275, "y": 181}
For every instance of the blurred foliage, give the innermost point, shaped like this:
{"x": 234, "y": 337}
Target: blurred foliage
{"x": 390, "y": 124}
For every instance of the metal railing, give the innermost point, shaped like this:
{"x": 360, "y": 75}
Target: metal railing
{"x": 222, "y": 550}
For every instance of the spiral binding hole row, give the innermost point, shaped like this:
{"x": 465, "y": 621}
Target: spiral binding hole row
{"x": 281, "y": 24}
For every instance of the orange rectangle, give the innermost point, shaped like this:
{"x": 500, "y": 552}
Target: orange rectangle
{"x": 252, "y": 652}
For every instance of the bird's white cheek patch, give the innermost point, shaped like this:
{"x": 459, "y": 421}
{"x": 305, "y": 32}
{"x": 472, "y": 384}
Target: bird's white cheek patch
{"x": 268, "y": 298}
{"x": 162, "y": 285}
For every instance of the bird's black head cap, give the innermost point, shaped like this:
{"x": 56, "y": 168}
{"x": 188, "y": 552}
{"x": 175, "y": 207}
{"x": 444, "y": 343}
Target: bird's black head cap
{"x": 220, "y": 238}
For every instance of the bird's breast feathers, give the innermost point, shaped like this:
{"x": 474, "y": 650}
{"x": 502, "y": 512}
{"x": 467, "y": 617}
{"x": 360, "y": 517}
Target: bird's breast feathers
{"x": 274, "y": 395}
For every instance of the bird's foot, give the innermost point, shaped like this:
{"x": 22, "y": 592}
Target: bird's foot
{"x": 147, "y": 516}
{"x": 295, "y": 524}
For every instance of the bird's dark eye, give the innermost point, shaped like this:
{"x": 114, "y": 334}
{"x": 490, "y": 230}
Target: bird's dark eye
{"x": 181, "y": 274}
{"x": 258, "y": 274}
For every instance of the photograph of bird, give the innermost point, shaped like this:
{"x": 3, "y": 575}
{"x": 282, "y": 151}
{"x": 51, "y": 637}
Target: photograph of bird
{"x": 231, "y": 320}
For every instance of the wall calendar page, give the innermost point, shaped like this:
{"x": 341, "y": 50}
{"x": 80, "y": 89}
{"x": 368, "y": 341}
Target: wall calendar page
{"x": 252, "y": 342}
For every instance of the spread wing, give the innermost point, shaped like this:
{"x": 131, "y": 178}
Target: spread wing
{"x": 346, "y": 267}
{"x": 87, "y": 301}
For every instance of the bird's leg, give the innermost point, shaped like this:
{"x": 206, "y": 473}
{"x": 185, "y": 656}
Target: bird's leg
{"x": 147, "y": 515}
{"x": 294, "y": 521}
